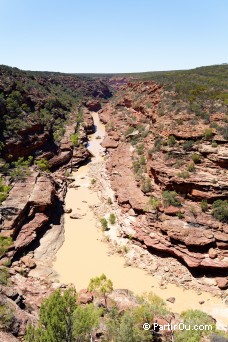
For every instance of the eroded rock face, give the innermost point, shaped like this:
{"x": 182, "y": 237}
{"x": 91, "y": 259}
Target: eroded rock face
{"x": 123, "y": 181}
{"x": 184, "y": 231}
{"x": 93, "y": 105}
{"x": 62, "y": 158}
{"x": 43, "y": 194}
{"x": 23, "y": 212}
{"x": 30, "y": 140}
{"x": 29, "y": 231}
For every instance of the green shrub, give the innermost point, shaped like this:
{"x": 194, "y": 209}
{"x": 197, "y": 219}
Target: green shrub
{"x": 220, "y": 210}
{"x": 93, "y": 181}
{"x": 183, "y": 174}
{"x": 6, "y": 318}
{"x": 5, "y": 242}
{"x": 146, "y": 185}
{"x": 171, "y": 140}
{"x": 21, "y": 168}
{"x": 104, "y": 223}
{"x": 187, "y": 145}
{"x": 180, "y": 215}
{"x": 204, "y": 205}
{"x": 4, "y": 275}
{"x": 191, "y": 318}
{"x": 140, "y": 149}
{"x": 208, "y": 133}
{"x": 75, "y": 139}
{"x": 196, "y": 158}
{"x": 170, "y": 198}
{"x": 191, "y": 167}
{"x": 153, "y": 203}
{"x": 214, "y": 144}
{"x": 4, "y": 190}
{"x": 112, "y": 218}
{"x": 157, "y": 144}
{"x": 42, "y": 164}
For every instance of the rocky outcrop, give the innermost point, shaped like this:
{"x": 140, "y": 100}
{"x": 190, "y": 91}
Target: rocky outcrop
{"x": 27, "y": 209}
{"x": 156, "y": 154}
{"x": 27, "y": 143}
{"x": 62, "y": 158}
{"x": 109, "y": 143}
{"x": 29, "y": 231}
{"x": 93, "y": 105}
{"x": 123, "y": 179}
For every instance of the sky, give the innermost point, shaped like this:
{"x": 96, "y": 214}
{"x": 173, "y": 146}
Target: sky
{"x": 110, "y": 36}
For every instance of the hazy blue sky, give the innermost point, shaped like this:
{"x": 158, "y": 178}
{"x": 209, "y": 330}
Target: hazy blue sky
{"x": 113, "y": 35}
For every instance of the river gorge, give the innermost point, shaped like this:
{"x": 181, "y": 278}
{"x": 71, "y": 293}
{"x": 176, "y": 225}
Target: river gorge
{"x": 86, "y": 253}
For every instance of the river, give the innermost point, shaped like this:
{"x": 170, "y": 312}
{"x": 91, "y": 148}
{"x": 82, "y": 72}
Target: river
{"x": 84, "y": 254}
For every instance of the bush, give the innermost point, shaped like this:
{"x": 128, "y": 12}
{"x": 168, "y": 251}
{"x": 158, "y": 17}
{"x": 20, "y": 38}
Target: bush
{"x": 208, "y": 133}
{"x": 170, "y": 198}
{"x": 191, "y": 318}
{"x": 21, "y": 168}
{"x": 191, "y": 167}
{"x": 146, "y": 185}
{"x": 220, "y": 210}
{"x": 153, "y": 203}
{"x": 4, "y": 276}
{"x": 4, "y": 243}
{"x": 140, "y": 149}
{"x": 4, "y": 190}
{"x": 104, "y": 223}
{"x": 196, "y": 158}
{"x": 55, "y": 318}
{"x": 42, "y": 164}
{"x": 171, "y": 140}
{"x": 183, "y": 174}
{"x": 74, "y": 139}
{"x": 112, "y": 219}
{"x": 214, "y": 144}
{"x": 6, "y": 318}
{"x": 187, "y": 145}
{"x": 204, "y": 205}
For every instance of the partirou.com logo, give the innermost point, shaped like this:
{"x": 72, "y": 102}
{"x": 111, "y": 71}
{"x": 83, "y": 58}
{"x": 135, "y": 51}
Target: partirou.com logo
{"x": 180, "y": 326}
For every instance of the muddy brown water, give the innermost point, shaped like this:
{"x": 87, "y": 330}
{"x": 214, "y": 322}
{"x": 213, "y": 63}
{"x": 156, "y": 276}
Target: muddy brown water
{"x": 84, "y": 255}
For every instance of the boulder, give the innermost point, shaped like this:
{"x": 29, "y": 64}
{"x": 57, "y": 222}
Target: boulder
{"x": 28, "y": 262}
{"x": 171, "y": 210}
{"x": 67, "y": 210}
{"x": 212, "y": 253}
{"x": 222, "y": 283}
{"x": 62, "y": 158}
{"x": 43, "y": 194}
{"x": 109, "y": 143}
{"x": 29, "y": 231}
{"x": 76, "y": 216}
{"x": 85, "y": 297}
{"x": 171, "y": 299}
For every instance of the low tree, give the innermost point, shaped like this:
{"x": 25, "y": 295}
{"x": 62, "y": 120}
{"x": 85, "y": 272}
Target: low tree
{"x": 86, "y": 319}
{"x": 55, "y": 318}
{"x": 101, "y": 285}
{"x": 193, "y": 318}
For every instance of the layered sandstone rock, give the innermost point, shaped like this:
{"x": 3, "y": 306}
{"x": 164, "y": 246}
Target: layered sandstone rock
{"x": 184, "y": 231}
